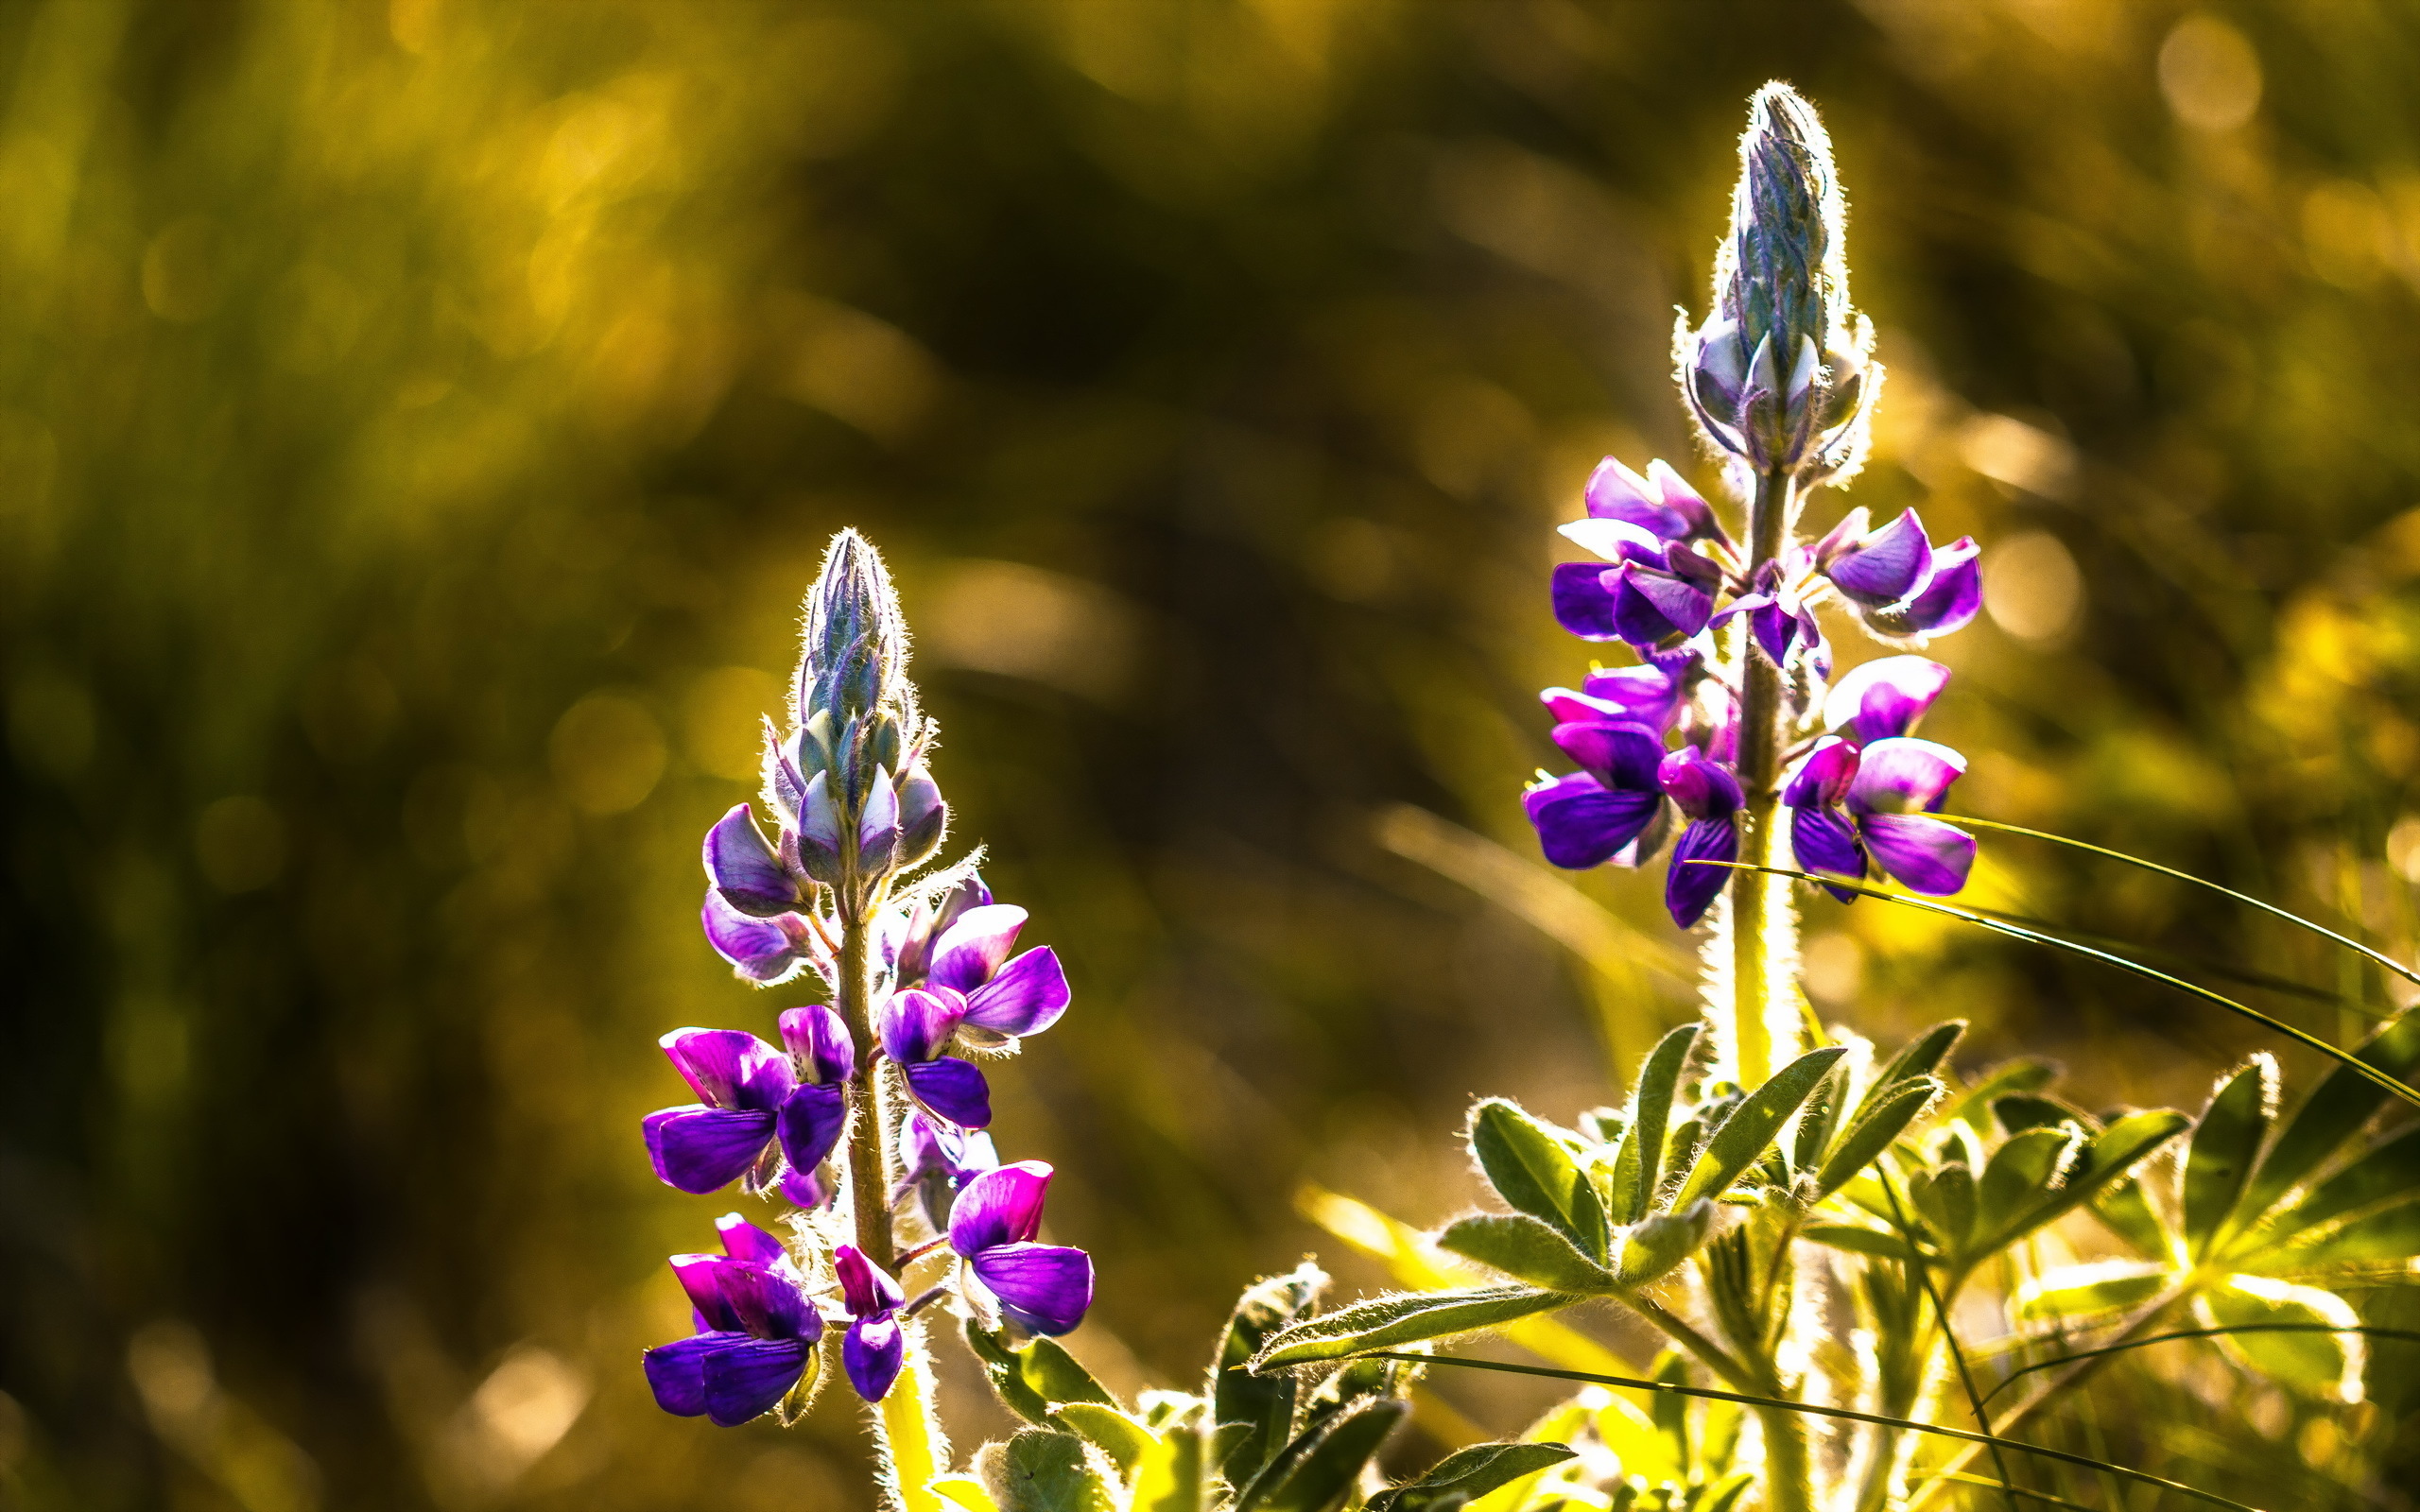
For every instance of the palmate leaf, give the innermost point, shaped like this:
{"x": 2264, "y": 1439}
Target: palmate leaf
{"x": 2335, "y": 1112}
{"x": 1255, "y": 1415}
{"x": 2320, "y": 1364}
{"x": 1919, "y": 1058}
{"x": 1879, "y": 1120}
{"x": 1533, "y": 1170}
{"x": 1748, "y": 1131}
{"x": 1467, "y": 1474}
{"x": 1319, "y": 1470}
{"x": 1380, "y": 1322}
{"x": 1033, "y": 1378}
{"x": 2226, "y": 1141}
{"x": 2369, "y": 1330}
{"x": 2387, "y": 1173}
{"x": 2022, "y": 1177}
{"x": 2088, "y": 1291}
{"x": 1639, "y": 1169}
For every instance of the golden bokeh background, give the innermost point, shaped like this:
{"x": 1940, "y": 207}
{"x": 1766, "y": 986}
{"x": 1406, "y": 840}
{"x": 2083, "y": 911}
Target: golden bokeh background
{"x": 418, "y": 422}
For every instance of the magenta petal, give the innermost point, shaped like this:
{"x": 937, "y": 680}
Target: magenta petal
{"x": 1616, "y": 492}
{"x": 729, "y": 1068}
{"x": 1000, "y": 1207}
{"x": 807, "y": 1189}
{"x": 1582, "y": 604}
{"x": 1704, "y": 788}
{"x": 757, "y": 948}
{"x": 676, "y": 1371}
{"x": 1046, "y": 1287}
{"x": 744, "y": 1379}
{"x": 952, "y": 1087}
{"x": 1877, "y": 700}
{"x": 1904, "y": 776}
{"x": 768, "y": 1301}
{"x": 700, "y": 1277}
{"x": 1950, "y": 601}
{"x": 821, "y": 1042}
{"x": 1618, "y": 754}
{"x": 1930, "y": 855}
{"x": 872, "y": 1353}
{"x": 1886, "y": 566}
{"x": 865, "y": 1287}
{"x": 700, "y": 1150}
{"x": 1581, "y": 823}
{"x": 1690, "y": 890}
{"x": 1823, "y": 777}
{"x": 1027, "y": 997}
{"x": 914, "y": 1025}
{"x": 1822, "y": 840}
{"x": 810, "y": 1124}
{"x": 743, "y": 1241}
{"x": 745, "y": 869}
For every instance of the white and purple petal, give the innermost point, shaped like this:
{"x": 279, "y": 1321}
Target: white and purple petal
{"x": 1691, "y": 889}
{"x": 744, "y": 1241}
{"x": 744, "y": 868}
{"x": 1616, "y": 492}
{"x": 865, "y": 1287}
{"x": 1823, "y": 778}
{"x": 819, "y": 1042}
{"x": 1618, "y": 541}
{"x": 1583, "y": 823}
{"x": 1884, "y": 567}
{"x": 1046, "y": 1287}
{"x": 971, "y": 950}
{"x": 1002, "y": 1206}
{"x": 1878, "y": 699}
{"x": 1904, "y": 776}
{"x": 1025, "y": 997}
{"x": 914, "y": 1023}
{"x": 1931, "y": 857}
{"x": 871, "y": 1352}
{"x": 951, "y": 1087}
{"x": 698, "y": 1149}
{"x": 759, "y": 949}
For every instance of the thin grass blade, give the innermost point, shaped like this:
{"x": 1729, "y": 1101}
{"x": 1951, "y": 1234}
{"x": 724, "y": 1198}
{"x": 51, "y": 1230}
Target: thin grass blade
{"x": 2407, "y": 1335}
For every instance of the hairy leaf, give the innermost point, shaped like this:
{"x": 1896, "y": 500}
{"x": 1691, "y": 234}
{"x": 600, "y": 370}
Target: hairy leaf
{"x": 1318, "y": 1471}
{"x": 1403, "y": 1318}
{"x": 1920, "y": 1056}
{"x": 1043, "y": 1471}
{"x": 2344, "y": 1102}
{"x": 1255, "y": 1413}
{"x": 2322, "y": 1364}
{"x": 2023, "y": 1110}
{"x": 2225, "y": 1144}
{"x": 2389, "y": 1235}
{"x": 1879, "y": 1123}
{"x": 1639, "y": 1169}
{"x": 1032, "y": 1378}
{"x": 2106, "y": 1157}
{"x": 1123, "y": 1439}
{"x": 966, "y": 1491}
{"x": 2088, "y": 1291}
{"x": 1171, "y": 1476}
{"x": 1819, "y": 1121}
{"x": 2126, "y": 1210}
{"x": 1859, "y": 1240}
{"x": 2025, "y": 1074}
{"x": 2022, "y": 1178}
{"x": 1752, "y": 1125}
{"x": 1946, "y": 1199}
{"x": 1467, "y": 1474}
{"x": 1526, "y": 1250}
{"x": 1653, "y": 1245}
{"x": 1535, "y": 1173}
{"x": 2389, "y": 1171}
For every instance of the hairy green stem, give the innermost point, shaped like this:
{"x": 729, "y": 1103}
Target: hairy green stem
{"x": 1760, "y": 911}
{"x": 868, "y": 1107}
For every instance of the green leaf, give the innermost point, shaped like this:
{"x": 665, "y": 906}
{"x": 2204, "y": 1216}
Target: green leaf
{"x": 2106, "y": 1157}
{"x": 1879, "y": 1123}
{"x": 1639, "y": 1167}
{"x": 2126, "y": 1210}
{"x": 1920, "y": 1056}
{"x": 1255, "y": 1413}
{"x": 2021, "y": 1179}
{"x": 1526, "y": 1250}
{"x": 1534, "y": 1172}
{"x": 1318, "y": 1471}
{"x": 2320, "y": 1364}
{"x": 1653, "y": 1245}
{"x": 2386, "y": 1172}
{"x": 1724, "y": 1494}
{"x": 1819, "y": 1122}
{"x": 2088, "y": 1291}
{"x": 1467, "y": 1474}
{"x": 1405, "y": 1317}
{"x": 2225, "y": 1144}
{"x": 1170, "y": 1477}
{"x": 1039, "y": 1470}
{"x": 2023, "y": 1110}
{"x": 2344, "y": 1102}
{"x": 1945, "y": 1198}
{"x": 1752, "y": 1125}
{"x": 966, "y": 1491}
{"x": 2387, "y": 1234}
{"x": 1859, "y": 1240}
{"x": 2025, "y": 1074}
{"x": 1123, "y": 1439}
{"x": 1033, "y": 1379}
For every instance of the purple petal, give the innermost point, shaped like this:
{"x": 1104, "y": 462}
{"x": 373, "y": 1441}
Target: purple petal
{"x": 1930, "y": 855}
{"x": 953, "y": 1088}
{"x": 1884, "y": 697}
{"x": 1690, "y": 890}
{"x": 729, "y": 1068}
{"x": 700, "y": 1150}
{"x": 966, "y": 957}
{"x": 1886, "y": 566}
{"x": 768, "y": 1301}
{"x": 1581, "y": 823}
{"x": 744, "y": 1379}
{"x": 1955, "y": 594}
{"x": 1026, "y": 998}
{"x": 820, "y": 1042}
{"x": 1776, "y": 628}
{"x": 743, "y": 1241}
{"x": 676, "y": 1371}
{"x": 1684, "y": 502}
{"x": 1823, "y": 778}
{"x": 819, "y": 826}
{"x": 1616, "y": 492}
{"x": 1904, "y": 776}
{"x": 744, "y": 868}
{"x": 1650, "y": 608}
{"x": 865, "y": 1287}
{"x": 1617, "y": 754}
{"x": 878, "y": 821}
{"x": 700, "y": 1277}
{"x": 806, "y": 1188}
{"x": 1582, "y": 604}
{"x": 1046, "y": 1287}
{"x": 784, "y": 786}
{"x": 872, "y": 1353}
{"x": 811, "y": 1120}
{"x": 915, "y": 1025}
{"x": 760, "y": 951}
{"x": 1704, "y": 788}
{"x": 1000, "y": 1207}
{"x": 1822, "y": 840}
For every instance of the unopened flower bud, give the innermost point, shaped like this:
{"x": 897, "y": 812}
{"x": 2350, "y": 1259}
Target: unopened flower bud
{"x": 854, "y": 657}
{"x": 819, "y": 831}
{"x": 922, "y": 815}
{"x": 878, "y": 826}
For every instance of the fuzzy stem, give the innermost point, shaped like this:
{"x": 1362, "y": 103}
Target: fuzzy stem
{"x": 1763, "y": 925}
{"x": 869, "y": 1107}
{"x": 910, "y": 1448}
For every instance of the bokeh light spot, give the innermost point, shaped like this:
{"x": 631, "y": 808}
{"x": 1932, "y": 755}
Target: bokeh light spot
{"x": 2209, "y": 74}
{"x": 607, "y": 753}
{"x": 240, "y": 842}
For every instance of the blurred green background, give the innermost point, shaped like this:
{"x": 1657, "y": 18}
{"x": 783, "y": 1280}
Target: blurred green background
{"x": 419, "y": 421}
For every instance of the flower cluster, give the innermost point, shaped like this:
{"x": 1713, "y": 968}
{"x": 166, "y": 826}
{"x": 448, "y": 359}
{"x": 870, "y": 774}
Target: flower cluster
{"x": 1780, "y": 379}
{"x": 873, "y": 1099}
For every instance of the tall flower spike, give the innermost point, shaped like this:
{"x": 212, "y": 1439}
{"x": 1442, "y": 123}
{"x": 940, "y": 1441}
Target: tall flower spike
{"x": 855, "y": 657}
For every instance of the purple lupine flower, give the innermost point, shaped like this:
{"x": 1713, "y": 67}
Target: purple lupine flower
{"x": 1852, "y": 806}
{"x": 916, "y": 1028}
{"x": 1708, "y": 793}
{"x": 754, "y": 1103}
{"x": 874, "y": 1348}
{"x": 757, "y": 1330}
{"x": 1904, "y": 586}
{"x": 1651, "y": 694}
{"x": 1043, "y": 1287}
{"x": 907, "y": 939}
{"x": 1604, "y": 811}
{"x": 1781, "y": 615}
{"x": 1657, "y": 594}
{"x": 1661, "y": 503}
{"x": 999, "y": 998}
{"x": 939, "y": 1158}
{"x": 1949, "y": 601}
{"x": 1886, "y": 696}
{"x": 765, "y": 950}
